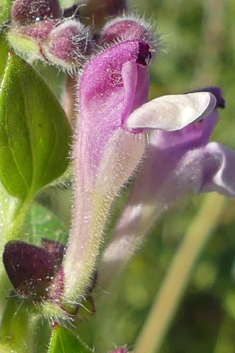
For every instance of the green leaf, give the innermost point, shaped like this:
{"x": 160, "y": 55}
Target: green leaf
{"x": 41, "y": 222}
{"x": 16, "y": 330}
{"x": 63, "y": 341}
{"x": 8, "y": 207}
{"x": 5, "y": 11}
{"x": 4, "y": 51}
{"x": 23, "y": 45}
{"x": 34, "y": 131}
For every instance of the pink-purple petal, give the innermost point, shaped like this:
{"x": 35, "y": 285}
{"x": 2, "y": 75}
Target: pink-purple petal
{"x": 107, "y": 92}
{"x": 172, "y": 112}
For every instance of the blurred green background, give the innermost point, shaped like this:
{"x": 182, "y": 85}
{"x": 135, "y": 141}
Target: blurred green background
{"x": 197, "y": 50}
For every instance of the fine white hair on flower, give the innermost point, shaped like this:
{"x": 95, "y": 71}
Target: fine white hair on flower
{"x": 130, "y": 27}
{"x": 68, "y": 44}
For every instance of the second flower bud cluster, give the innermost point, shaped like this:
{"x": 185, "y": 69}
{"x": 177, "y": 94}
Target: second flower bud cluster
{"x": 40, "y": 30}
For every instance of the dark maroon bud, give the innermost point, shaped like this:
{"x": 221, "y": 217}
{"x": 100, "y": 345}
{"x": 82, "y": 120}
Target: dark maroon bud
{"x": 57, "y": 286}
{"x": 30, "y": 11}
{"x": 56, "y": 249}
{"x": 29, "y": 268}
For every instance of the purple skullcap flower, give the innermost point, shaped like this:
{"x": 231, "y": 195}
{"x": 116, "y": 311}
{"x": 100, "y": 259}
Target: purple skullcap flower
{"x": 110, "y": 141}
{"x": 175, "y": 164}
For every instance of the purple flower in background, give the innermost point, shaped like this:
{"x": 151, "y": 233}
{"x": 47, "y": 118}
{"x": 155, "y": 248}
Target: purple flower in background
{"x": 110, "y": 141}
{"x": 175, "y": 164}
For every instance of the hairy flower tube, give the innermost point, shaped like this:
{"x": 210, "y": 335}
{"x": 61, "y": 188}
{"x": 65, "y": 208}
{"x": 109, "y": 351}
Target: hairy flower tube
{"x": 110, "y": 141}
{"x": 176, "y": 163}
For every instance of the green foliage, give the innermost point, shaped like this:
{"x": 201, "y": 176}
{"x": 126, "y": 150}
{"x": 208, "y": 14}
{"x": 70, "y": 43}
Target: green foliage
{"x": 5, "y": 10}
{"x": 4, "y": 51}
{"x": 63, "y": 341}
{"x": 41, "y": 222}
{"x": 34, "y": 131}
{"x": 26, "y": 46}
{"x": 16, "y": 331}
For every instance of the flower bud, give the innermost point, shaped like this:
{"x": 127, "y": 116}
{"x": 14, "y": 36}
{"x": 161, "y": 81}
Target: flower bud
{"x": 29, "y": 268}
{"x": 26, "y": 12}
{"x": 32, "y": 269}
{"x": 26, "y": 40}
{"x": 122, "y": 28}
{"x": 68, "y": 44}
{"x": 65, "y": 43}
{"x": 56, "y": 249}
